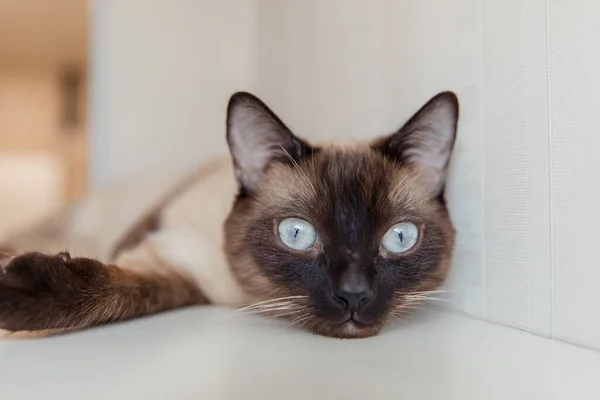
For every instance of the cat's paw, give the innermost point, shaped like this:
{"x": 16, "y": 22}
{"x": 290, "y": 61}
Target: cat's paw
{"x": 33, "y": 272}
{"x": 40, "y": 291}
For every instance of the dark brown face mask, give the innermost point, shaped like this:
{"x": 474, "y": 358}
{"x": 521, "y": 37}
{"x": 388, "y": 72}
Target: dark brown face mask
{"x": 344, "y": 237}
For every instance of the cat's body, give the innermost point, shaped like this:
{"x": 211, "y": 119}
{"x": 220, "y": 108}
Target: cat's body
{"x": 175, "y": 223}
{"x": 338, "y": 239}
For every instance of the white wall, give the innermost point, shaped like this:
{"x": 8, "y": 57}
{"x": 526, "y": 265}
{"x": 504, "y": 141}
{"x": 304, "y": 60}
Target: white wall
{"x": 573, "y": 124}
{"x": 350, "y": 68}
{"x": 523, "y": 182}
{"x": 162, "y": 72}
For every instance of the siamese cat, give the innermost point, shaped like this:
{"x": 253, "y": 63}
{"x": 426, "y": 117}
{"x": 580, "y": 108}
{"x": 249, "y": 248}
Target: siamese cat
{"x": 338, "y": 239}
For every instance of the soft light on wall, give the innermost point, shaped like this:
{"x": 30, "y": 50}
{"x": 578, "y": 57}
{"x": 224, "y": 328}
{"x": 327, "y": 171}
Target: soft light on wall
{"x": 522, "y": 188}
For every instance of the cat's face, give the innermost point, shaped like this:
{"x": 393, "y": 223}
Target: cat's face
{"x": 339, "y": 239}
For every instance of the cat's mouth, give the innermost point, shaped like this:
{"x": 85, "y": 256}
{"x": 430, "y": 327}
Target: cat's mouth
{"x": 355, "y": 319}
{"x": 351, "y": 327}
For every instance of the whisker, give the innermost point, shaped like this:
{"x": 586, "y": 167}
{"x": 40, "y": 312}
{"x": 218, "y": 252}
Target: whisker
{"x": 403, "y": 309}
{"x": 406, "y": 308}
{"x": 271, "y": 301}
{"x": 269, "y": 310}
{"x": 286, "y": 314}
{"x": 425, "y": 298}
{"x": 297, "y": 166}
{"x": 401, "y": 315}
{"x": 278, "y": 304}
{"x": 281, "y": 298}
{"x": 427, "y": 292}
{"x": 299, "y": 320}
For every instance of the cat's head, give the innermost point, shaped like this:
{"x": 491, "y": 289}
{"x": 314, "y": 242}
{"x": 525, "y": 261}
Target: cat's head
{"x": 339, "y": 239}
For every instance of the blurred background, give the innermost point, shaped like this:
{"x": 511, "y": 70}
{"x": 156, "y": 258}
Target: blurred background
{"x": 99, "y": 93}
{"x": 44, "y": 154}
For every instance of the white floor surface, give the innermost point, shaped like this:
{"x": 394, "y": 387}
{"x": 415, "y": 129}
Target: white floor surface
{"x": 209, "y": 353}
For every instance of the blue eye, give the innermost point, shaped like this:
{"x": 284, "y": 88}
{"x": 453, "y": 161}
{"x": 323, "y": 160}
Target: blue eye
{"x": 297, "y": 234}
{"x": 400, "y": 238}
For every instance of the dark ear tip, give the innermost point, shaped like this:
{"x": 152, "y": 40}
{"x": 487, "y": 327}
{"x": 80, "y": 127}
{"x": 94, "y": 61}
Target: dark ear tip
{"x": 447, "y": 97}
{"x": 241, "y": 98}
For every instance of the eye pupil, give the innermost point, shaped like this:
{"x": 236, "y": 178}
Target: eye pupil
{"x": 400, "y": 237}
{"x": 297, "y": 234}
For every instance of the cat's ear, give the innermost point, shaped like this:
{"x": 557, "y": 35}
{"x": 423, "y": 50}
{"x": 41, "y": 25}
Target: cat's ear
{"x": 426, "y": 140}
{"x": 257, "y": 138}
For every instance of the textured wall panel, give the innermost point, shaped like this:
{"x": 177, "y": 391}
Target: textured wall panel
{"x": 574, "y": 85}
{"x": 539, "y": 189}
{"x": 507, "y": 180}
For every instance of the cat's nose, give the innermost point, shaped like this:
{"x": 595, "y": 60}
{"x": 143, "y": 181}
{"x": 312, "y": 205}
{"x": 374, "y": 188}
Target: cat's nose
{"x": 354, "y": 290}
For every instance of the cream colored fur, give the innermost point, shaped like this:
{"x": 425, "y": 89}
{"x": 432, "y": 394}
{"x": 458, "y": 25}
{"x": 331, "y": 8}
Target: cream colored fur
{"x": 190, "y": 238}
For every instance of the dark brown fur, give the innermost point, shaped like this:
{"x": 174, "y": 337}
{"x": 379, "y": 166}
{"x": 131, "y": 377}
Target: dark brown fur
{"x": 352, "y": 197}
{"x": 57, "y": 292}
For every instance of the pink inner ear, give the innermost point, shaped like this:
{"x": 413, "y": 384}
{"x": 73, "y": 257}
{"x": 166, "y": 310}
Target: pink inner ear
{"x": 430, "y": 155}
{"x": 256, "y": 137}
{"x": 252, "y": 157}
{"x": 427, "y": 139}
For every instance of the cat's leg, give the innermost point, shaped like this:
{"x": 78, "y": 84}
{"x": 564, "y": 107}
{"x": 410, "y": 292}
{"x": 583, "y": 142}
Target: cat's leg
{"x": 57, "y": 293}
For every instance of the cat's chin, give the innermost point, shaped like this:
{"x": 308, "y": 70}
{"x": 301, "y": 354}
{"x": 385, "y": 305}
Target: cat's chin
{"x": 346, "y": 330}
